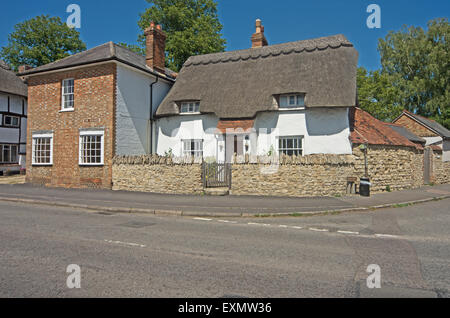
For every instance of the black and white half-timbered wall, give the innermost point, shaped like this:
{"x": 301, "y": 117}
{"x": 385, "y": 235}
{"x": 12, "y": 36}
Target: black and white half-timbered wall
{"x": 13, "y": 121}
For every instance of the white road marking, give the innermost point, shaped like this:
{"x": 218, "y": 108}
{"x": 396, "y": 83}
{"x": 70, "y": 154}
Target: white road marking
{"x": 283, "y": 226}
{"x": 125, "y": 243}
{"x": 318, "y": 230}
{"x": 348, "y": 232}
{"x": 202, "y": 219}
{"x": 386, "y": 236}
{"x": 297, "y": 227}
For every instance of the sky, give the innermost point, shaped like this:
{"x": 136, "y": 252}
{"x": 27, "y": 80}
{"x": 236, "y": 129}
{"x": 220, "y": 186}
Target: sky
{"x": 284, "y": 20}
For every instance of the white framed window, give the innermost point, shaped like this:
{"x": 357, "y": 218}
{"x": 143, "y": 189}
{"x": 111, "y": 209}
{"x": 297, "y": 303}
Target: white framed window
{"x": 92, "y": 148}
{"x": 42, "y": 149}
{"x": 190, "y": 108}
{"x": 8, "y": 154}
{"x": 292, "y": 101}
{"x": 11, "y": 121}
{"x": 67, "y": 94}
{"x": 290, "y": 146}
{"x": 193, "y": 147}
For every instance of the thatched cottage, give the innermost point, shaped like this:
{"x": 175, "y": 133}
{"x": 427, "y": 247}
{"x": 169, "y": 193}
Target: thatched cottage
{"x": 292, "y": 98}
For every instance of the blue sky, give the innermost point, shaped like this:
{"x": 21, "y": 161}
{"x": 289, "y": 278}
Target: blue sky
{"x": 284, "y": 20}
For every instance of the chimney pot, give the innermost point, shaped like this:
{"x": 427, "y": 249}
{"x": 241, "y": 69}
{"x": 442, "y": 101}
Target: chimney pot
{"x": 23, "y": 68}
{"x": 258, "y": 39}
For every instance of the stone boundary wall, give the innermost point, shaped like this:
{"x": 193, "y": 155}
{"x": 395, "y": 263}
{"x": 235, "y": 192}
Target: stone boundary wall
{"x": 441, "y": 169}
{"x": 391, "y": 168}
{"x": 157, "y": 174}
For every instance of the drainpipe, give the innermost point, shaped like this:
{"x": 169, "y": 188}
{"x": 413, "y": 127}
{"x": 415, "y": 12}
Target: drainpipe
{"x": 151, "y": 115}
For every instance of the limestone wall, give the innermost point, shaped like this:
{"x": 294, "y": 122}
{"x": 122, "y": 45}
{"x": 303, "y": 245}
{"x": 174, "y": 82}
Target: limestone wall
{"x": 157, "y": 175}
{"x": 390, "y": 168}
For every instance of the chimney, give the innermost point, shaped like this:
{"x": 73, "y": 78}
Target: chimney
{"x": 24, "y": 68}
{"x": 155, "y": 40}
{"x": 258, "y": 39}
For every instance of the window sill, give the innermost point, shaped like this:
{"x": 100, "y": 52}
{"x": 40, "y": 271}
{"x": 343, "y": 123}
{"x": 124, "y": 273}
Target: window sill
{"x": 68, "y": 110}
{"x": 291, "y": 108}
{"x": 189, "y": 114}
{"x": 91, "y": 164}
{"x": 42, "y": 164}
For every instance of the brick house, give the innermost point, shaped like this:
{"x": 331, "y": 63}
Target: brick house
{"x": 91, "y": 106}
{"x": 434, "y": 133}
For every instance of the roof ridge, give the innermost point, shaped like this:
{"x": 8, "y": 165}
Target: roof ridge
{"x": 70, "y": 56}
{"x": 310, "y": 45}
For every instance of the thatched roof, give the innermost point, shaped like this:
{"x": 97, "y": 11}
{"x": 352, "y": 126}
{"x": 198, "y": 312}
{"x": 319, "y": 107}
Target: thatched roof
{"x": 105, "y": 52}
{"x": 239, "y": 84}
{"x": 10, "y": 83}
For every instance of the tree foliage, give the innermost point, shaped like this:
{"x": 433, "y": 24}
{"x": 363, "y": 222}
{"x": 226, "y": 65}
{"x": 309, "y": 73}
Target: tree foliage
{"x": 192, "y": 28}
{"x": 415, "y": 74}
{"x": 41, "y": 40}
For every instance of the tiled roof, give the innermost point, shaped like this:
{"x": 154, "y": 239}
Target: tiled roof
{"x": 406, "y": 133}
{"x": 429, "y": 123}
{"x": 10, "y": 83}
{"x": 105, "y": 52}
{"x": 236, "y": 125}
{"x": 367, "y": 129}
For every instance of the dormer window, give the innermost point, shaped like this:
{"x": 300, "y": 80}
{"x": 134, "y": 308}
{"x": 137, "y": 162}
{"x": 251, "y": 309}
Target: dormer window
{"x": 190, "y": 108}
{"x": 292, "y": 101}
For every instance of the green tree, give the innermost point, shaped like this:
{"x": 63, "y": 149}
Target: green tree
{"x": 41, "y": 40}
{"x": 376, "y": 95}
{"x": 192, "y": 28}
{"x": 133, "y": 47}
{"x": 417, "y": 66}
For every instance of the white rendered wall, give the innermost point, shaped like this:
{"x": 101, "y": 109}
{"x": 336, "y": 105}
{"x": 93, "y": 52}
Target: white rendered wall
{"x": 133, "y": 109}
{"x": 172, "y": 130}
{"x": 432, "y": 140}
{"x": 325, "y": 130}
{"x": 9, "y": 135}
{"x": 446, "y": 150}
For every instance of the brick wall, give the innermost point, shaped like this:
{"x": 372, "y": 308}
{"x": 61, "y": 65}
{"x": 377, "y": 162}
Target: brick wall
{"x": 415, "y": 127}
{"x": 95, "y": 94}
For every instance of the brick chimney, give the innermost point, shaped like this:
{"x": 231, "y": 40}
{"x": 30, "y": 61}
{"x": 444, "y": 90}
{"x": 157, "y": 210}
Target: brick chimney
{"x": 258, "y": 39}
{"x": 24, "y": 68}
{"x": 155, "y": 48}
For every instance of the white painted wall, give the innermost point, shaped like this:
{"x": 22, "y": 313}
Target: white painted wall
{"x": 446, "y": 150}
{"x": 3, "y": 102}
{"x": 432, "y": 140}
{"x": 325, "y": 131}
{"x": 9, "y": 135}
{"x": 133, "y": 109}
{"x": 172, "y": 130}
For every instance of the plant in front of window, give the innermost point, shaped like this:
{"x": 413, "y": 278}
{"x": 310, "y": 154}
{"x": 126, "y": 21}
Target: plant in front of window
{"x": 168, "y": 153}
{"x": 271, "y": 151}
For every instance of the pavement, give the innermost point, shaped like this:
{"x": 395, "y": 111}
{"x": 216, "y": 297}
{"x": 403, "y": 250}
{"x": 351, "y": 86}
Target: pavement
{"x": 147, "y": 255}
{"x": 212, "y": 206}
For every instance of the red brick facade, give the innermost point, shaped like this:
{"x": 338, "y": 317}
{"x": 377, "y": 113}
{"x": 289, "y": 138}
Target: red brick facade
{"x": 94, "y": 104}
{"x": 414, "y": 126}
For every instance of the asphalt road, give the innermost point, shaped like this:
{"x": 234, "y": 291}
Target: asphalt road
{"x": 151, "y": 256}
